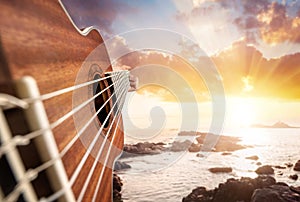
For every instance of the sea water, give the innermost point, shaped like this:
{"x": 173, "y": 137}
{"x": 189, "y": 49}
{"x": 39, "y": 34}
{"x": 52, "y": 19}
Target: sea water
{"x": 168, "y": 176}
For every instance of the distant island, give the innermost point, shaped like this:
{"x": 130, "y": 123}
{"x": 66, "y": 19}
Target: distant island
{"x": 278, "y": 124}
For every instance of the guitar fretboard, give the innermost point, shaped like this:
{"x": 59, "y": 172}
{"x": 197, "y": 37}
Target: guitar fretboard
{"x": 103, "y": 108}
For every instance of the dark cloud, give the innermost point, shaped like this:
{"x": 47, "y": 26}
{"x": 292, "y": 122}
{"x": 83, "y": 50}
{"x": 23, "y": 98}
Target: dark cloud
{"x": 251, "y": 23}
{"x": 268, "y": 21}
{"x": 277, "y": 26}
{"x": 101, "y": 13}
{"x": 255, "y": 7}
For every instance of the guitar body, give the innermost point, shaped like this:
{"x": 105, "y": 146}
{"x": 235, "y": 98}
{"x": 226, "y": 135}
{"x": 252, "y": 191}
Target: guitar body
{"x": 38, "y": 40}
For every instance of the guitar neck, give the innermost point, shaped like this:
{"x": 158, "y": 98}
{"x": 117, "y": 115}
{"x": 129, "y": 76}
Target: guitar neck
{"x": 61, "y": 125}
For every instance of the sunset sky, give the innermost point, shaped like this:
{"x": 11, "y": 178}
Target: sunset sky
{"x": 255, "y": 45}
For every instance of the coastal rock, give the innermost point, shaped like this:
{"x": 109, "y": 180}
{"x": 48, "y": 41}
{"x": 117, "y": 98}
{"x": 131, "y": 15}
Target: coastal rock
{"x": 200, "y": 194}
{"x": 205, "y": 141}
{"x": 180, "y": 146}
{"x": 117, "y": 188}
{"x": 200, "y": 155}
{"x": 220, "y": 170}
{"x": 222, "y": 143}
{"x": 280, "y": 167}
{"x": 232, "y": 190}
{"x": 121, "y": 166}
{"x": 226, "y": 153}
{"x": 280, "y": 173}
{"x": 255, "y": 158}
{"x": 293, "y": 177}
{"x": 295, "y": 189}
{"x": 259, "y": 163}
{"x": 142, "y": 148}
{"x": 194, "y": 147}
{"x": 265, "y": 170}
{"x": 275, "y": 193}
{"x": 289, "y": 165}
{"x": 297, "y": 166}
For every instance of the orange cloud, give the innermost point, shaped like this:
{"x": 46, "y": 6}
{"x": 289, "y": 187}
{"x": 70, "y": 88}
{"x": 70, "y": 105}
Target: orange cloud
{"x": 244, "y": 67}
{"x": 243, "y": 70}
{"x": 170, "y": 76}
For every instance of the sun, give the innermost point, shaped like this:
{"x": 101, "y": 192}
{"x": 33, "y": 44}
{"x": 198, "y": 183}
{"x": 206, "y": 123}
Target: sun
{"x": 241, "y": 113}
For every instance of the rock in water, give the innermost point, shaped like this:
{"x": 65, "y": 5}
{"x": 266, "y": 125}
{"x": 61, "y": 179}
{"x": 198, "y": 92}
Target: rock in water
{"x": 142, "y": 148}
{"x": 117, "y": 188}
{"x": 289, "y": 165}
{"x": 265, "y": 170}
{"x": 232, "y": 190}
{"x": 200, "y": 155}
{"x": 195, "y": 147}
{"x": 297, "y": 166}
{"x": 275, "y": 193}
{"x": 295, "y": 189}
{"x": 121, "y": 166}
{"x": 293, "y": 177}
{"x": 220, "y": 170}
{"x": 180, "y": 146}
{"x": 226, "y": 153}
{"x": 280, "y": 167}
{"x": 255, "y": 158}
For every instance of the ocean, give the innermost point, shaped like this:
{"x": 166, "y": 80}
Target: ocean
{"x": 169, "y": 176}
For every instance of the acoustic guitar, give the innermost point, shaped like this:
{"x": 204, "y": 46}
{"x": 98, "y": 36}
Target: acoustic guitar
{"x": 60, "y": 106}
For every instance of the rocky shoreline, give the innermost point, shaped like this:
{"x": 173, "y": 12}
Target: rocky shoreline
{"x": 260, "y": 189}
{"x": 223, "y": 144}
{"x": 264, "y": 188}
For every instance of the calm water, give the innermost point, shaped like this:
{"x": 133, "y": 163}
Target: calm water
{"x": 169, "y": 176}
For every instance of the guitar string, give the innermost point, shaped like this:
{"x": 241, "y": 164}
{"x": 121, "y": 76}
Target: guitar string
{"x": 83, "y": 190}
{"x": 57, "y": 194}
{"x": 31, "y": 173}
{"x": 68, "y": 89}
{"x": 105, "y": 162}
{"x": 23, "y": 140}
{"x": 70, "y": 144}
{"x": 74, "y": 176}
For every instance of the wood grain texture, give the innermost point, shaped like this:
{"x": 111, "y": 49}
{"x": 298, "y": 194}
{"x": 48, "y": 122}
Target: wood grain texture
{"x": 38, "y": 40}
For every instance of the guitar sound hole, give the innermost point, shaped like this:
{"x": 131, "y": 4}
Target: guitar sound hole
{"x": 101, "y": 99}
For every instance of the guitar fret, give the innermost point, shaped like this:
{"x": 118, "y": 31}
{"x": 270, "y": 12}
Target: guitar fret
{"x": 37, "y": 119}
